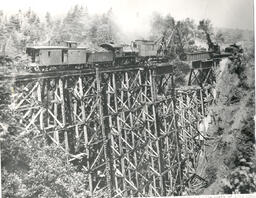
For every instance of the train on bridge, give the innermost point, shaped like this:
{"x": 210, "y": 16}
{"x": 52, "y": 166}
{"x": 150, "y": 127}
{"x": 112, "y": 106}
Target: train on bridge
{"x": 68, "y": 55}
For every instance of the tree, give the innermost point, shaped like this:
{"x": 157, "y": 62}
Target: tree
{"x": 160, "y": 25}
{"x": 205, "y": 25}
{"x": 38, "y": 170}
{"x": 219, "y": 37}
{"x": 48, "y": 18}
{"x": 73, "y": 25}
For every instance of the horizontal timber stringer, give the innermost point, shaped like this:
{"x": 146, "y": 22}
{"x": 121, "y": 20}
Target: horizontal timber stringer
{"x": 130, "y": 128}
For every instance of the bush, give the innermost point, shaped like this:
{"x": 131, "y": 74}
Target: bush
{"x": 241, "y": 180}
{"x": 211, "y": 173}
{"x": 34, "y": 170}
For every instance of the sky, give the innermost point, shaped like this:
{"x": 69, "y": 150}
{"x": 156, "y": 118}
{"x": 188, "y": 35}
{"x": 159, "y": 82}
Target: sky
{"x": 134, "y": 15}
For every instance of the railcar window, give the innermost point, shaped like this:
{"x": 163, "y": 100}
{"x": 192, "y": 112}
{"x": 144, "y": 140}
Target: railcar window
{"x": 64, "y": 56}
{"x": 33, "y": 56}
{"x": 49, "y": 53}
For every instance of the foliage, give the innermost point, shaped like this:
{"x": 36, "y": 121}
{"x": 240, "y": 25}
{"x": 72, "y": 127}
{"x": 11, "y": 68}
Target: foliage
{"x": 166, "y": 25}
{"x": 205, "y": 25}
{"x": 219, "y": 37}
{"x": 181, "y": 70}
{"x": 230, "y": 36}
{"x": 211, "y": 174}
{"x": 26, "y": 28}
{"x": 242, "y": 179}
{"x": 160, "y": 25}
{"x": 234, "y": 127}
{"x": 179, "y": 36}
{"x": 32, "y": 169}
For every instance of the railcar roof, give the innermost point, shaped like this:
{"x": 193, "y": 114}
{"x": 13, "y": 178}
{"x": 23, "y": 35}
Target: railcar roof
{"x": 54, "y": 47}
{"x": 70, "y": 41}
{"x": 148, "y": 41}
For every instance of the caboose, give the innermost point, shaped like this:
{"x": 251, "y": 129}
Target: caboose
{"x": 55, "y": 57}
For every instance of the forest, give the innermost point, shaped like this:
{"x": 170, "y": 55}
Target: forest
{"x": 32, "y": 168}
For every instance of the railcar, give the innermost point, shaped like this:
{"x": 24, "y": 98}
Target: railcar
{"x": 145, "y": 48}
{"x": 99, "y": 58}
{"x": 66, "y": 55}
{"x": 148, "y": 52}
{"x": 44, "y": 58}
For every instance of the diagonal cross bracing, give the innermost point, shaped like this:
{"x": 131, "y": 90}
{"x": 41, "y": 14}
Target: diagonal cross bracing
{"x": 132, "y": 130}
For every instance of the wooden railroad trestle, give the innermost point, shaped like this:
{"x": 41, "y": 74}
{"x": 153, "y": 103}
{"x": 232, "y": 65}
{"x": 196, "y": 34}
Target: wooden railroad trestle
{"x": 132, "y": 138}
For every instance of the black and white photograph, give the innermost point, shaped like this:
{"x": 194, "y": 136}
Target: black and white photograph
{"x": 127, "y": 98}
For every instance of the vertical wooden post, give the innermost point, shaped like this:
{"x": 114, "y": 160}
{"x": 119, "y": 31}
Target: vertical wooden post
{"x": 86, "y": 140}
{"x": 182, "y": 119}
{"x": 110, "y": 118}
{"x": 103, "y": 112}
{"x": 123, "y": 90}
{"x": 187, "y": 139}
{"x": 55, "y": 109}
{"x": 75, "y": 122}
{"x": 202, "y": 102}
{"x": 63, "y": 112}
{"x": 159, "y": 142}
{"x": 131, "y": 125}
{"x": 180, "y": 176}
{"x": 120, "y": 133}
{"x": 190, "y": 76}
{"x": 47, "y": 92}
{"x": 148, "y": 91}
{"x": 40, "y": 100}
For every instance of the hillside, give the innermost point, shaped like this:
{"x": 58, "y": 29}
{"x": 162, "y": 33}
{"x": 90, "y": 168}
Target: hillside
{"x": 230, "y": 166}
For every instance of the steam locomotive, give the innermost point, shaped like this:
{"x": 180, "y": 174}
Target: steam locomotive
{"x": 67, "y": 55}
